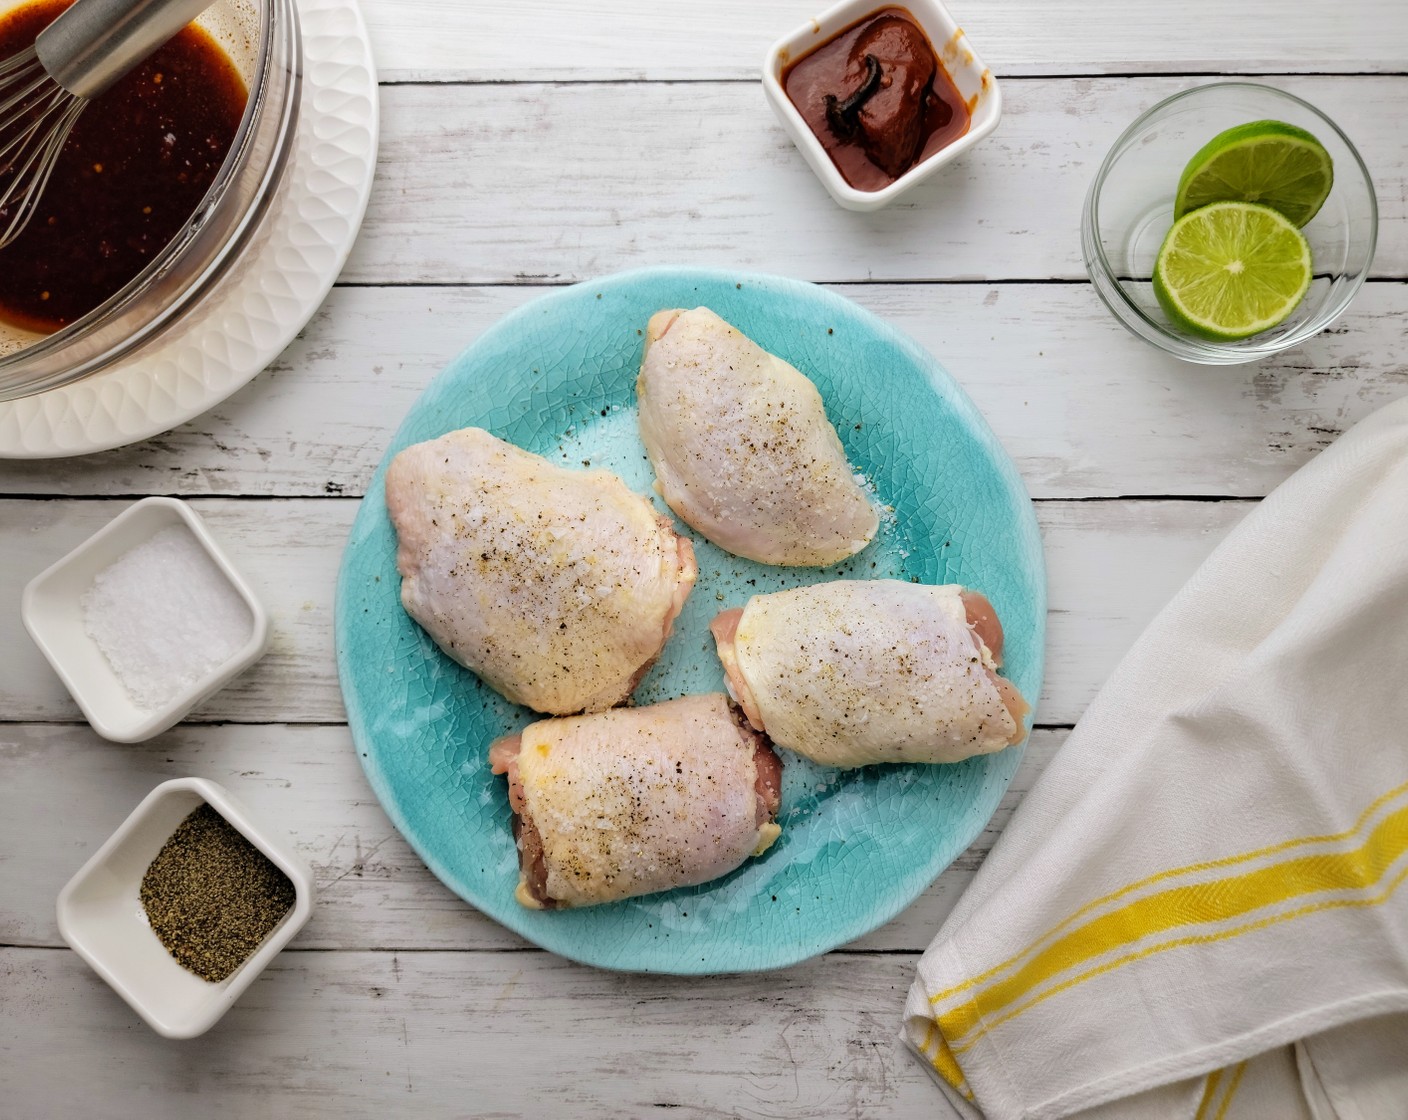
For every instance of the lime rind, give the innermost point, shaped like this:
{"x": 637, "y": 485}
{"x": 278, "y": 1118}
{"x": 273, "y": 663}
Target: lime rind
{"x": 1270, "y": 162}
{"x": 1230, "y": 270}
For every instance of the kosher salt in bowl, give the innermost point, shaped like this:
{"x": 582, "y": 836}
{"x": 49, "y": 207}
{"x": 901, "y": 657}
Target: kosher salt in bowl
{"x": 53, "y": 614}
{"x": 261, "y": 38}
{"x": 1129, "y": 210}
{"x": 101, "y": 917}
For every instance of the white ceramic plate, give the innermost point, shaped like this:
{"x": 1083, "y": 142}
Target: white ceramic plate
{"x": 247, "y": 323}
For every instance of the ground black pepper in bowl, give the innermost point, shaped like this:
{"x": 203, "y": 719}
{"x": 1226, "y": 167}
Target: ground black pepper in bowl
{"x": 212, "y": 896}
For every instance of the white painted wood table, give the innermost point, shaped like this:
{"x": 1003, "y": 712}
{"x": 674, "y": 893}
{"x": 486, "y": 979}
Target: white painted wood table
{"x": 529, "y": 144}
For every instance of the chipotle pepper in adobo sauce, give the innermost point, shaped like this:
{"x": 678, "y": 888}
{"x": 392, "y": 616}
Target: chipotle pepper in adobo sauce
{"x": 132, "y": 173}
{"x": 878, "y": 98}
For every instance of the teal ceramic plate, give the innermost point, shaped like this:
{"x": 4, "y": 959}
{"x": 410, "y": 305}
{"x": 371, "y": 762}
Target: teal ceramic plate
{"x": 558, "y": 378}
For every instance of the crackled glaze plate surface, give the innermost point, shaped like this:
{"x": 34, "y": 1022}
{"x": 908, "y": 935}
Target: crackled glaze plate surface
{"x": 558, "y": 378}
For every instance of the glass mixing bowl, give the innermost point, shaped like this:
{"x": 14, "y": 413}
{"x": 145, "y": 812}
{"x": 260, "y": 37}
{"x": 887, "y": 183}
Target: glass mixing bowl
{"x": 262, "y": 39}
{"x": 1129, "y": 209}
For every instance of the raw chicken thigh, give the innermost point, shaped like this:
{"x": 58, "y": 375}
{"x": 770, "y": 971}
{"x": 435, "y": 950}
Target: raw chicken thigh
{"x": 637, "y": 800}
{"x": 861, "y": 671}
{"x": 741, "y": 446}
{"x": 558, "y": 587}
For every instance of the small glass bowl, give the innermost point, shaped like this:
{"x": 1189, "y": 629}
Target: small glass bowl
{"x": 1129, "y": 210}
{"x": 262, "y": 40}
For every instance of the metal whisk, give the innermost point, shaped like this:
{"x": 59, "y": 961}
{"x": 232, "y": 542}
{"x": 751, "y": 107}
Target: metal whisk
{"x": 45, "y": 88}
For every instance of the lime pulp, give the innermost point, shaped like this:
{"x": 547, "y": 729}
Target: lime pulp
{"x": 1229, "y": 270}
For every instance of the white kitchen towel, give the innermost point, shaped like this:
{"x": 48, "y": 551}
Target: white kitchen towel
{"x": 1199, "y": 910}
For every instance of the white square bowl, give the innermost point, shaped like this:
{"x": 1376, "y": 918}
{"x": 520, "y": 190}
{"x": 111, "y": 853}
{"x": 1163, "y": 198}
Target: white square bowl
{"x": 101, "y": 917}
{"x": 974, "y": 81}
{"x": 54, "y": 618}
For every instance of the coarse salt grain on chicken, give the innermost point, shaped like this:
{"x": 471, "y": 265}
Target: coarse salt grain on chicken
{"x": 741, "y": 446}
{"x": 637, "y": 800}
{"x": 863, "y": 671}
{"x": 558, "y": 587}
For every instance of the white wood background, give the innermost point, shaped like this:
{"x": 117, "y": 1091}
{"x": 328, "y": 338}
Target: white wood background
{"x": 528, "y": 144}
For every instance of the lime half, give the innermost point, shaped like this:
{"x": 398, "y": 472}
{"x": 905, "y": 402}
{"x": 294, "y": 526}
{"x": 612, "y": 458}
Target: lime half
{"x": 1269, "y": 162}
{"x": 1231, "y": 269}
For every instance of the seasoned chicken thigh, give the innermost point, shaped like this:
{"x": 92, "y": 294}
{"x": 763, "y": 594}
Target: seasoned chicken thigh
{"x": 637, "y": 800}
{"x": 741, "y": 446}
{"x": 558, "y": 587}
{"x": 861, "y": 671}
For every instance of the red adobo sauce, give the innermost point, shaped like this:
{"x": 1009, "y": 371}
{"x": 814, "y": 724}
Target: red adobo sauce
{"x": 132, "y": 173}
{"x": 878, "y": 98}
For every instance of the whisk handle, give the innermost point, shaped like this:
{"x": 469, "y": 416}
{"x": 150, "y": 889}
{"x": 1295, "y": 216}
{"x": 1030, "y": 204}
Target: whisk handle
{"x": 95, "y": 42}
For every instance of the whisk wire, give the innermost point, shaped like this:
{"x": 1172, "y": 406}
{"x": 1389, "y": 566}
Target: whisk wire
{"x": 44, "y": 88}
{"x": 17, "y": 60}
{"x": 47, "y": 155}
{"x": 14, "y": 107}
{"x": 23, "y": 123}
{"x": 36, "y": 117}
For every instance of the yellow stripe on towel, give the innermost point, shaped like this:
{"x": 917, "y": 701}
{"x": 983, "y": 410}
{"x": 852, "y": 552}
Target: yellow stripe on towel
{"x": 1203, "y": 939}
{"x": 947, "y": 1066}
{"x": 943, "y": 1061}
{"x": 1193, "y": 904}
{"x": 1231, "y": 1090}
{"x": 1162, "y": 876}
{"x": 1210, "y": 1093}
{"x": 1214, "y": 1078}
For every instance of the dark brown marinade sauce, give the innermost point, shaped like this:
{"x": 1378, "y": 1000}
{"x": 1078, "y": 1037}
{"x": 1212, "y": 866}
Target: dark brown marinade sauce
{"x": 132, "y": 173}
{"x": 877, "y": 119}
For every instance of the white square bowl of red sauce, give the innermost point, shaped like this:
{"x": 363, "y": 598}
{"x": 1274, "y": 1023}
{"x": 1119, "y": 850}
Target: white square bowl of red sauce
{"x": 867, "y": 141}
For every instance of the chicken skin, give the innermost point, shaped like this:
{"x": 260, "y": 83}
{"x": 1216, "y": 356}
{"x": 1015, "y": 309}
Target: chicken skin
{"x": 637, "y": 800}
{"x": 558, "y": 587}
{"x": 862, "y": 671}
{"x": 741, "y": 446}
